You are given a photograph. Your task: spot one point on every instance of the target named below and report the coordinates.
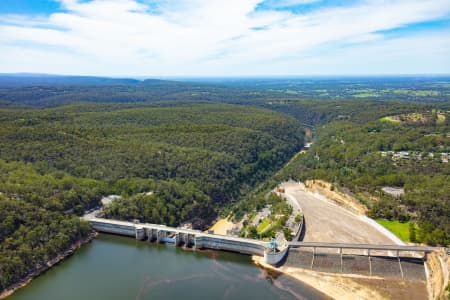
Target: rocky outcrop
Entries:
(438, 264)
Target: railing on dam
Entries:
(363, 247)
(367, 249)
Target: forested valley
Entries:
(193, 158)
(187, 151)
(364, 146)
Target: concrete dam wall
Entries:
(218, 243)
(121, 229)
(202, 240)
(180, 236)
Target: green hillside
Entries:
(196, 159)
(358, 151)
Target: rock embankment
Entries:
(344, 200)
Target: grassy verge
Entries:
(389, 120)
(263, 225)
(398, 228)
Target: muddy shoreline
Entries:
(25, 281)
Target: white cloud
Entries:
(287, 3)
(214, 37)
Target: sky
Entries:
(225, 37)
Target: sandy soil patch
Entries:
(221, 226)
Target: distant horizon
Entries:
(305, 76)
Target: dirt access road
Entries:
(326, 221)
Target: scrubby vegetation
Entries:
(279, 209)
(34, 228)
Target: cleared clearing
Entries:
(398, 228)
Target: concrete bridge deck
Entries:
(405, 248)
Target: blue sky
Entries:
(225, 37)
(28, 7)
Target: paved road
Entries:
(329, 223)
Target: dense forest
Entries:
(188, 151)
(193, 158)
(363, 146)
(49, 91)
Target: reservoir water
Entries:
(113, 267)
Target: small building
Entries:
(393, 191)
(404, 154)
(108, 199)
